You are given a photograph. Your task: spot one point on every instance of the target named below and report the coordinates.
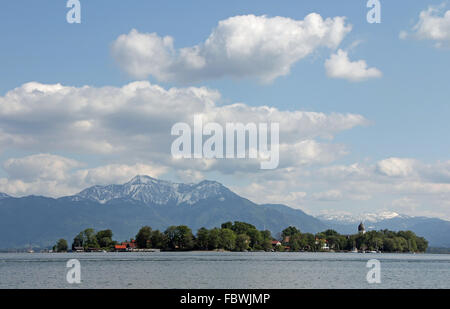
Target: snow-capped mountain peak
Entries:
(3, 195)
(154, 191)
(142, 180)
(364, 217)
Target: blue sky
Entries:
(406, 109)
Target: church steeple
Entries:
(361, 228)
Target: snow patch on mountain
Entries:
(4, 195)
(366, 217)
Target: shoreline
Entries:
(218, 251)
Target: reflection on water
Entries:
(224, 270)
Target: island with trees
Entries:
(241, 237)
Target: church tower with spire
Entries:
(361, 228)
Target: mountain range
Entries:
(39, 221)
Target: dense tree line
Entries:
(61, 246)
(241, 236)
(89, 239)
(385, 241)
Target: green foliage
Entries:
(202, 239)
(179, 237)
(238, 236)
(86, 239)
(242, 242)
(78, 241)
(329, 233)
(266, 243)
(241, 236)
(158, 240)
(143, 237)
(91, 239)
(214, 239)
(61, 246)
(104, 239)
(227, 225)
(292, 230)
(389, 241)
(242, 227)
(227, 239)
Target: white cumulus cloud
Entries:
(396, 167)
(433, 24)
(132, 124)
(328, 196)
(53, 175)
(129, 128)
(241, 46)
(339, 65)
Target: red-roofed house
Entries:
(120, 247)
(130, 244)
(276, 243)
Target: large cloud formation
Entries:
(241, 46)
(129, 125)
(124, 131)
(136, 119)
(402, 185)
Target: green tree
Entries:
(330, 233)
(90, 238)
(158, 240)
(203, 238)
(287, 232)
(61, 246)
(402, 244)
(242, 242)
(295, 242)
(78, 241)
(214, 239)
(180, 237)
(389, 245)
(256, 239)
(242, 227)
(310, 241)
(227, 225)
(104, 238)
(143, 237)
(422, 244)
(266, 240)
(227, 239)
(86, 239)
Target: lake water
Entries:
(224, 270)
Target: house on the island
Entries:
(126, 246)
(324, 243)
(276, 243)
(120, 248)
(130, 244)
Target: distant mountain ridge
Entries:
(436, 231)
(39, 221)
(366, 217)
(150, 190)
(4, 195)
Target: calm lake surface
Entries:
(224, 270)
